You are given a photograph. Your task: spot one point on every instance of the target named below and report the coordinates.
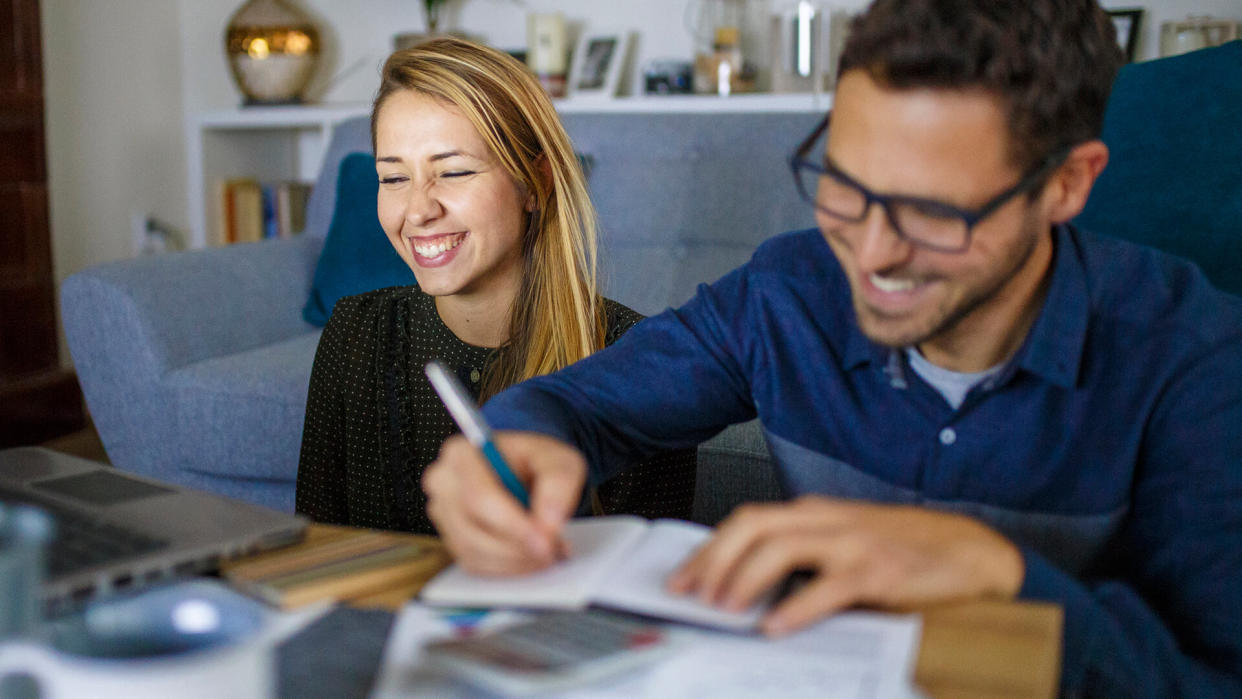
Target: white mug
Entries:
(190, 639)
(238, 671)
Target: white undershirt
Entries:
(953, 385)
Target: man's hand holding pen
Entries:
(484, 526)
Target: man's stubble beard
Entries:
(946, 318)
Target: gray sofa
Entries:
(195, 365)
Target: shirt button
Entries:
(474, 376)
(947, 436)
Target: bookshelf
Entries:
(288, 142)
(266, 143)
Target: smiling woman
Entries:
(452, 213)
(482, 197)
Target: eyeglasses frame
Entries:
(971, 218)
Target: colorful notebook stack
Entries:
(348, 565)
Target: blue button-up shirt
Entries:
(1109, 448)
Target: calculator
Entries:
(554, 650)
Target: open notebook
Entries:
(619, 561)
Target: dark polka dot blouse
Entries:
(373, 422)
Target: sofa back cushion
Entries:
(685, 198)
(682, 199)
(357, 256)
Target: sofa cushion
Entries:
(686, 198)
(357, 256)
(249, 400)
(1172, 180)
(734, 468)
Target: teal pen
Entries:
(472, 424)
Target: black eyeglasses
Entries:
(926, 222)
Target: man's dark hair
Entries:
(1052, 61)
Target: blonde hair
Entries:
(557, 316)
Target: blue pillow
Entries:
(357, 256)
(1172, 178)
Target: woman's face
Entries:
(449, 208)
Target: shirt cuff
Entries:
(1045, 582)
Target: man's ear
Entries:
(1068, 188)
(543, 170)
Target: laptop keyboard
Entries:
(83, 542)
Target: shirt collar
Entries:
(1053, 347)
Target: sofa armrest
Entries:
(160, 313)
(129, 324)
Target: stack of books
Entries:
(249, 210)
(344, 564)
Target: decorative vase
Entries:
(273, 49)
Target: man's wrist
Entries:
(1011, 570)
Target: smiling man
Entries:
(965, 395)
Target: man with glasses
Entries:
(966, 396)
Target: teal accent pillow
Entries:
(1172, 180)
(357, 256)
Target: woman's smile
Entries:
(436, 250)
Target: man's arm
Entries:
(671, 382)
(1159, 616)
(1156, 616)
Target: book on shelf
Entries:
(248, 210)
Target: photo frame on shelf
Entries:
(598, 60)
(1126, 22)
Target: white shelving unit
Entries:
(280, 143)
(276, 143)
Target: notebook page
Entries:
(638, 585)
(596, 544)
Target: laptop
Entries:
(115, 530)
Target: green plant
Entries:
(431, 9)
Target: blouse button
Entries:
(948, 436)
(474, 376)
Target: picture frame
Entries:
(1126, 22)
(598, 59)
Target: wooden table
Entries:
(976, 649)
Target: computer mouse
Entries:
(167, 620)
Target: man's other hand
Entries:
(893, 557)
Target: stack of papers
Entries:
(854, 654)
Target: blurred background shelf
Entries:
(287, 142)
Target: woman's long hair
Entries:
(557, 316)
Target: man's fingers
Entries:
(554, 495)
(483, 525)
(826, 594)
(475, 547)
(749, 528)
(770, 563)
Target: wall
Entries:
(112, 73)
